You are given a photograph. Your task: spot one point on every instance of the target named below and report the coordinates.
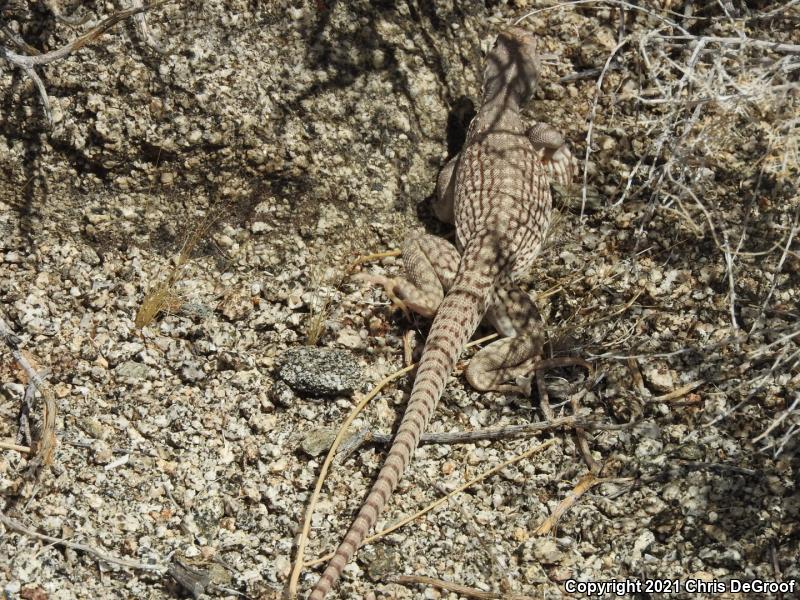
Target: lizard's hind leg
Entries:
(517, 357)
(431, 264)
(512, 358)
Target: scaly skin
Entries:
(497, 193)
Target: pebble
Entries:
(320, 371)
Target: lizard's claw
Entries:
(388, 284)
(523, 383)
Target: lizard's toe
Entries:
(390, 286)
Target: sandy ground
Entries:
(219, 188)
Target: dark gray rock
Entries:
(320, 371)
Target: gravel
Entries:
(230, 182)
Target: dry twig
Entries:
(504, 432)
(28, 62)
(586, 483)
(123, 562)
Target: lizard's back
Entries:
(502, 190)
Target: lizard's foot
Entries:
(405, 295)
(431, 264)
(506, 360)
(517, 360)
(388, 284)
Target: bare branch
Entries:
(123, 562)
(47, 443)
(27, 62)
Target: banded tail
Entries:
(456, 320)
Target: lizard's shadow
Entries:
(458, 119)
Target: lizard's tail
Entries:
(456, 320)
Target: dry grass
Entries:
(705, 109)
(162, 296)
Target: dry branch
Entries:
(45, 447)
(494, 433)
(27, 62)
(123, 562)
(586, 483)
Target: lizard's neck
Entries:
(499, 113)
(504, 87)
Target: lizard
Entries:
(497, 193)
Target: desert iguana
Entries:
(497, 192)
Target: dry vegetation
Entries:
(673, 267)
(710, 121)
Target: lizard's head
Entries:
(512, 66)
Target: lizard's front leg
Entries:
(431, 264)
(553, 151)
(444, 202)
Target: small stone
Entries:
(283, 566)
(383, 562)
(658, 376)
(546, 551)
(131, 371)
(294, 300)
(12, 587)
(238, 304)
(102, 453)
(192, 372)
(318, 441)
(281, 394)
(349, 338)
(320, 371)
